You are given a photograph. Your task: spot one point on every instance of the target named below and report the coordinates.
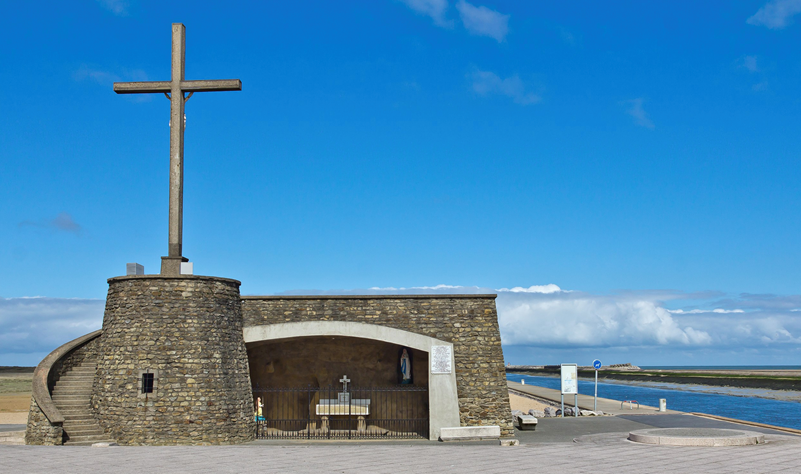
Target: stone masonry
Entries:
(187, 331)
(470, 322)
(39, 429)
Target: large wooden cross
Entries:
(175, 90)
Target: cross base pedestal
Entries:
(171, 266)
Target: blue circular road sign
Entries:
(597, 364)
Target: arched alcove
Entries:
(285, 358)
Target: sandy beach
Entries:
(15, 394)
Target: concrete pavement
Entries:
(599, 453)
(583, 444)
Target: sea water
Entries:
(686, 398)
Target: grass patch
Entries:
(15, 385)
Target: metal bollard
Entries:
(662, 404)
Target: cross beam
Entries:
(175, 89)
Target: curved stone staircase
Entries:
(72, 396)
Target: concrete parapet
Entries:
(463, 433)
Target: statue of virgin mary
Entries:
(406, 367)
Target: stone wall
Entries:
(469, 322)
(187, 331)
(39, 430)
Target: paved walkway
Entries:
(585, 402)
(603, 453)
(581, 445)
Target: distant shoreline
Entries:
(770, 379)
(14, 369)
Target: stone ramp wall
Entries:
(470, 322)
(40, 430)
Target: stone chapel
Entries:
(185, 359)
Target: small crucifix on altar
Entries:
(175, 90)
(344, 396)
(345, 381)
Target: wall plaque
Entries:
(441, 357)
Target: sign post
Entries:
(597, 364)
(570, 385)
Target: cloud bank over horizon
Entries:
(538, 324)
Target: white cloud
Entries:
(487, 82)
(435, 9)
(96, 75)
(584, 320)
(548, 317)
(776, 14)
(539, 317)
(483, 21)
(117, 7)
(750, 63)
(38, 325)
(549, 288)
(62, 222)
(635, 110)
(106, 78)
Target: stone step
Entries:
(71, 403)
(69, 388)
(88, 443)
(84, 432)
(71, 396)
(75, 382)
(84, 413)
(66, 396)
(75, 410)
(71, 427)
(78, 417)
(92, 438)
(12, 438)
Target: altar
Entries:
(343, 405)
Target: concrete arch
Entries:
(443, 399)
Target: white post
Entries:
(575, 402)
(563, 405)
(595, 403)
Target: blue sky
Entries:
(642, 158)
